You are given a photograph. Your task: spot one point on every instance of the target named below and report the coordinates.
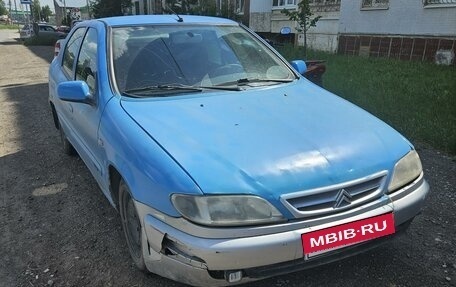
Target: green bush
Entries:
(9, 27)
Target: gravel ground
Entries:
(58, 229)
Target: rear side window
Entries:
(47, 28)
(86, 68)
(71, 50)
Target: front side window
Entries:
(71, 50)
(192, 55)
(86, 67)
(47, 28)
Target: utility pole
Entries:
(10, 12)
(88, 9)
(17, 18)
(39, 13)
(65, 15)
(218, 7)
(31, 11)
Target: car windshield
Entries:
(184, 58)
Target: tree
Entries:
(45, 13)
(206, 7)
(36, 10)
(3, 10)
(186, 6)
(227, 10)
(66, 21)
(108, 8)
(303, 16)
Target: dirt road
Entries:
(57, 228)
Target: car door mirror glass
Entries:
(74, 91)
(299, 65)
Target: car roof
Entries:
(30, 26)
(163, 19)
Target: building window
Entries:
(324, 2)
(283, 3)
(157, 6)
(374, 4)
(439, 2)
(137, 12)
(146, 9)
(239, 7)
(324, 5)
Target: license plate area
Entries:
(329, 239)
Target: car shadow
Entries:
(51, 209)
(52, 213)
(10, 42)
(44, 52)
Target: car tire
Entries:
(67, 147)
(131, 225)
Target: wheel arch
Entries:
(114, 180)
(54, 116)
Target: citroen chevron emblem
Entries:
(342, 196)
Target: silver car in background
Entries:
(44, 30)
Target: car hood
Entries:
(268, 141)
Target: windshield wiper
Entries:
(147, 91)
(162, 88)
(219, 87)
(247, 81)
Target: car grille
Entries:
(335, 198)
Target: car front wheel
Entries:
(66, 145)
(131, 225)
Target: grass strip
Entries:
(416, 98)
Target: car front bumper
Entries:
(201, 256)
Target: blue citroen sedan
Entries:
(226, 164)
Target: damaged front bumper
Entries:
(203, 256)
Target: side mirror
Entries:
(74, 91)
(299, 66)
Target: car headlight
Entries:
(406, 169)
(226, 210)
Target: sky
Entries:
(50, 3)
